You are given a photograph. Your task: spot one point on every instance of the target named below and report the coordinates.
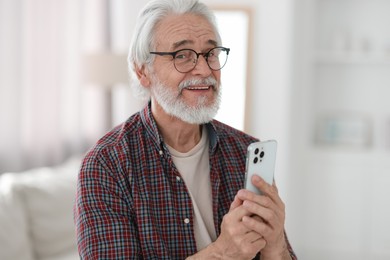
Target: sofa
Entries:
(36, 213)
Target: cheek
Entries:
(217, 76)
(170, 79)
(163, 66)
(166, 74)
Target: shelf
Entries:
(343, 155)
(352, 58)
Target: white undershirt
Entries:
(195, 171)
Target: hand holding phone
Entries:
(260, 160)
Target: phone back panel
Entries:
(260, 161)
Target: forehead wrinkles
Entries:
(181, 28)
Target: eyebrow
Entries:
(184, 42)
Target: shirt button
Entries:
(186, 220)
(178, 178)
(161, 152)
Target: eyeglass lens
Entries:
(186, 60)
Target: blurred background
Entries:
(312, 74)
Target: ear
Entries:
(142, 75)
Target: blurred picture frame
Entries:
(343, 129)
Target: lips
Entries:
(198, 87)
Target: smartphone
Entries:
(260, 160)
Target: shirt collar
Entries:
(151, 126)
(152, 130)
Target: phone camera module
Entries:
(255, 160)
(257, 151)
(262, 154)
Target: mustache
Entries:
(209, 81)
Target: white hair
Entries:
(143, 40)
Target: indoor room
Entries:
(314, 75)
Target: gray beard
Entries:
(174, 105)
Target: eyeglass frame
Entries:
(204, 54)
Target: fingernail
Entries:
(256, 178)
(241, 193)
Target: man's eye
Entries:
(214, 53)
(181, 56)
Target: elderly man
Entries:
(168, 182)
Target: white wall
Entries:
(341, 190)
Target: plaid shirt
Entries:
(131, 200)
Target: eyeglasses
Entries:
(185, 60)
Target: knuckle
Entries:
(261, 228)
(266, 202)
(270, 215)
(229, 225)
(251, 195)
(227, 220)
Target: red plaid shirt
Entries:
(131, 200)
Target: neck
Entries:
(178, 134)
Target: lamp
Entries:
(105, 69)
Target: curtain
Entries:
(46, 112)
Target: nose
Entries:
(201, 67)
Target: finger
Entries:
(261, 183)
(266, 232)
(262, 228)
(271, 210)
(253, 242)
(262, 200)
(259, 244)
(236, 203)
(236, 213)
(232, 223)
(271, 215)
(252, 236)
(269, 190)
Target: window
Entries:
(234, 25)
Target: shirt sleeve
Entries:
(104, 225)
(289, 247)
